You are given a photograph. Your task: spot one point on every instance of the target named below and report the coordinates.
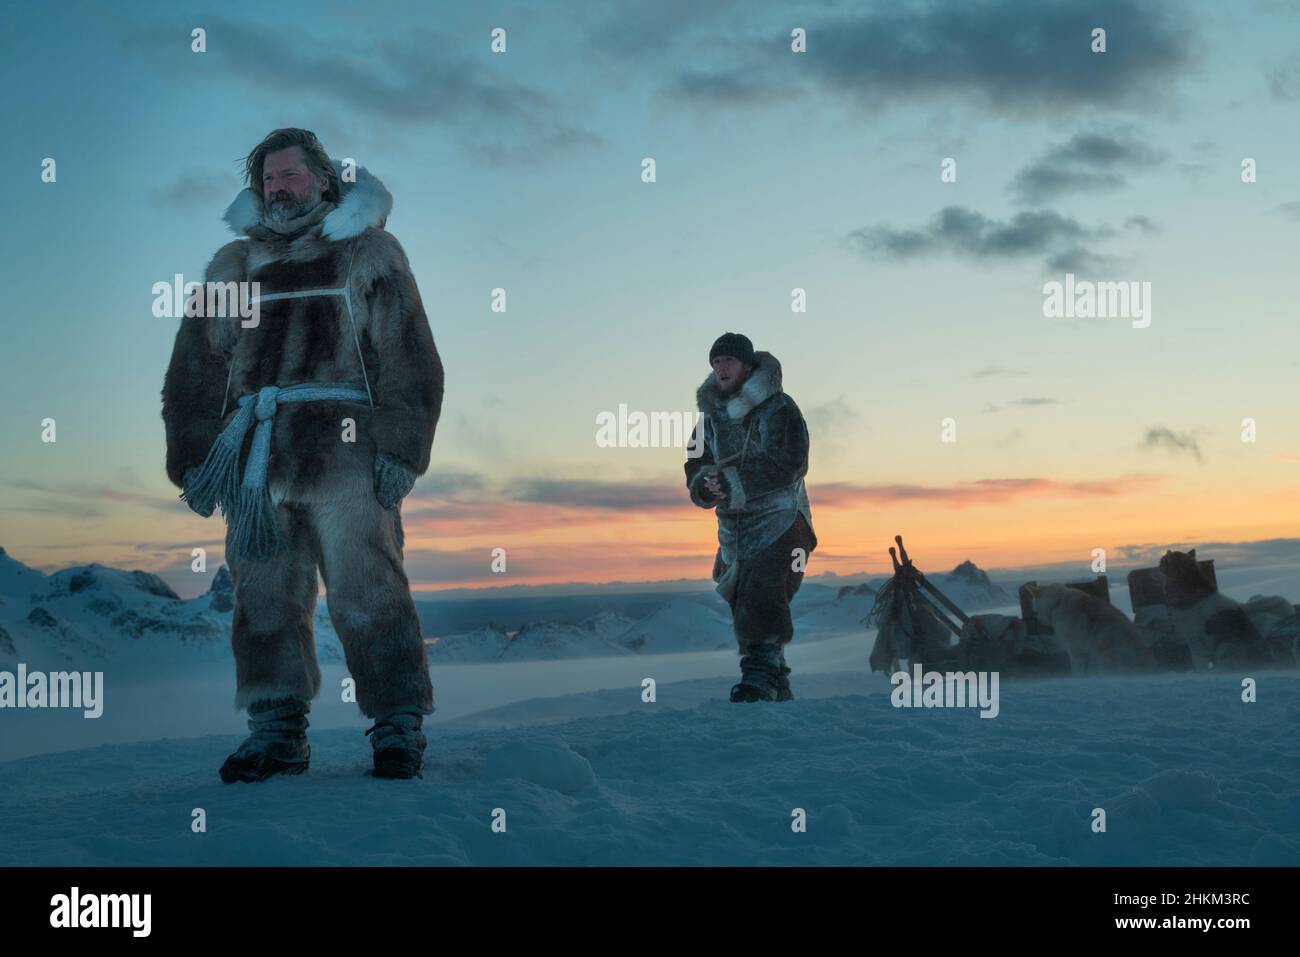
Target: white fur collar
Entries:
(763, 383)
(364, 203)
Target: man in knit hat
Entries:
(753, 454)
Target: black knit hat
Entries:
(735, 345)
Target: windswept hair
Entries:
(318, 161)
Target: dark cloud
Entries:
(1032, 402)
(1290, 209)
(605, 496)
(1284, 80)
(455, 495)
(197, 190)
(551, 142)
(1142, 224)
(1007, 56)
(69, 510)
(452, 486)
(990, 371)
(1079, 259)
(630, 31)
(1087, 162)
(1121, 558)
(728, 89)
(410, 80)
(965, 232)
(1265, 552)
(449, 565)
(86, 499)
(1159, 437)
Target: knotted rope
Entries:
(246, 503)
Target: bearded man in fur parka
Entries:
(751, 448)
(307, 426)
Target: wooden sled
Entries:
(915, 618)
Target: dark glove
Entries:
(393, 480)
(722, 497)
(188, 484)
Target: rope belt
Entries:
(246, 504)
(250, 516)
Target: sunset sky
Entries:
(775, 171)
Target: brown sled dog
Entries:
(1098, 637)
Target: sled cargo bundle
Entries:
(915, 619)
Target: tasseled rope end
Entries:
(254, 532)
(216, 481)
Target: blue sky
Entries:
(775, 170)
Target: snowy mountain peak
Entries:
(971, 588)
(16, 578)
(862, 589)
(222, 591)
(679, 624)
(607, 624)
(97, 577)
(971, 573)
(97, 612)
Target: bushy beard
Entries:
(284, 206)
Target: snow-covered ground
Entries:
(588, 773)
(1187, 774)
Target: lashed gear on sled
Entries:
(1004, 644)
(907, 629)
(913, 618)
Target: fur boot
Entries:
(278, 744)
(399, 745)
(760, 672)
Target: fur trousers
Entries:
(357, 546)
(765, 584)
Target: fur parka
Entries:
(217, 360)
(757, 440)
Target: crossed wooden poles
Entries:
(917, 587)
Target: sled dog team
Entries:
(1218, 631)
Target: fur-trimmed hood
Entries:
(763, 383)
(363, 204)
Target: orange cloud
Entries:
(977, 492)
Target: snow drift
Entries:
(1188, 775)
